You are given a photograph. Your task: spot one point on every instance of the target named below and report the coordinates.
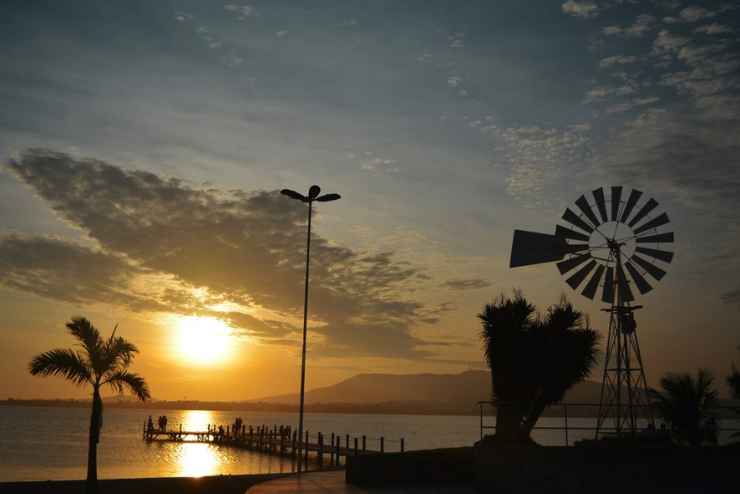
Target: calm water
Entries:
(46, 443)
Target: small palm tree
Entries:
(685, 403)
(533, 360)
(98, 363)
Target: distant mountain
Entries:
(461, 390)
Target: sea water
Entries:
(50, 443)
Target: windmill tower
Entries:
(611, 246)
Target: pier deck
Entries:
(276, 440)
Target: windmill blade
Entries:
(631, 203)
(649, 267)
(561, 231)
(534, 248)
(654, 223)
(593, 284)
(574, 220)
(616, 201)
(640, 280)
(666, 238)
(625, 294)
(585, 208)
(580, 275)
(573, 262)
(649, 206)
(663, 255)
(601, 203)
(608, 294)
(573, 248)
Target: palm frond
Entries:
(89, 337)
(64, 362)
(122, 380)
(117, 353)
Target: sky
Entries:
(143, 145)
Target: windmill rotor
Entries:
(609, 244)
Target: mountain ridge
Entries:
(465, 388)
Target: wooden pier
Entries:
(275, 440)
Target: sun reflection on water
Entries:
(197, 459)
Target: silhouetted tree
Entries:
(533, 360)
(98, 363)
(733, 381)
(685, 402)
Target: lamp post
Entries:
(313, 195)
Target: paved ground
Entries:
(333, 483)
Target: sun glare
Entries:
(203, 340)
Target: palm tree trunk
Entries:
(538, 407)
(508, 421)
(92, 451)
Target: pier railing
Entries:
(567, 412)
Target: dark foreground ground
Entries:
(223, 484)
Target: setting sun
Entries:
(203, 340)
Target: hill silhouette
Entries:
(462, 390)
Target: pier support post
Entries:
(364, 444)
(402, 445)
(336, 450)
(321, 450)
(355, 446)
(382, 444)
(305, 452)
(331, 450)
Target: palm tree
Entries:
(98, 363)
(685, 403)
(533, 360)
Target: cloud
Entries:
(602, 92)
(242, 248)
(583, 9)
(667, 42)
(535, 156)
(694, 14)
(643, 24)
(732, 297)
(241, 11)
(467, 284)
(456, 40)
(713, 28)
(62, 270)
(617, 60)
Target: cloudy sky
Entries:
(143, 145)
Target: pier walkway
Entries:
(275, 440)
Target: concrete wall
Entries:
(430, 466)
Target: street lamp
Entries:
(313, 195)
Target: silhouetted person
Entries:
(149, 424)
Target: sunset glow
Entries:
(203, 340)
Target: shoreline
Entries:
(226, 484)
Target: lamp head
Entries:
(328, 198)
(314, 192)
(294, 195)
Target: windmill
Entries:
(608, 247)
